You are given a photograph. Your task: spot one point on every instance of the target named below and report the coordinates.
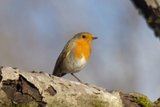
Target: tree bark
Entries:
(150, 9)
(20, 88)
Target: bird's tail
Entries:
(57, 72)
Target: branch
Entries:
(33, 89)
(150, 9)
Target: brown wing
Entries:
(57, 69)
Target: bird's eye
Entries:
(84, 36)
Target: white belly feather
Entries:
(76, 66)
(81, 62)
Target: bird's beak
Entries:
(94, 38)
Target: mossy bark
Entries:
(32, 89)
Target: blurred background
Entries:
(125, 57)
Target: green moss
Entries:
(85, 100)
(92, 101)
(30, 104)
(150, 19)
(142, 100)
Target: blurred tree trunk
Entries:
(150, 9)
(33, 89)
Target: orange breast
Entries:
(82, 48)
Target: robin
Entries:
(75, 55)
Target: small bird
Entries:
(74, 55)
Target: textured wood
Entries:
(38, 89)
(150, 9)
(33, 89)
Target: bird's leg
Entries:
(76, 78)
